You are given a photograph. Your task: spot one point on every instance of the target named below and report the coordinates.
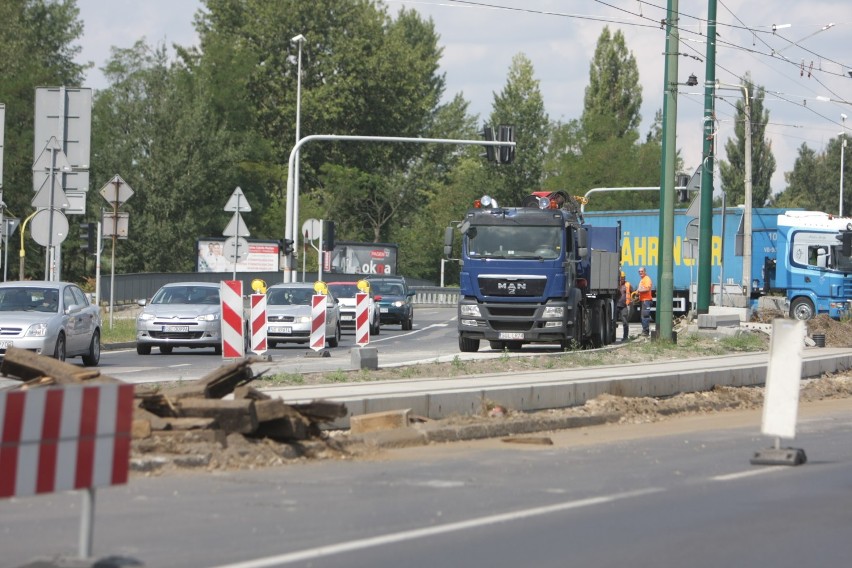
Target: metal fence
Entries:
(132, 287)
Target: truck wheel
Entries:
(802, 309)
(611, 324)
(514, 345)
(143, 349)
(498, 345)
(468, 345)
(598, 325)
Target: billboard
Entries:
(361, 258)
(262, 256)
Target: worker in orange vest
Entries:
(623, 306)
(646, 296)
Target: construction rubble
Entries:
(219, 421)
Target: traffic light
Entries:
(287, 247)
(845, 238)
(682, 194)
(507, 153)
(89, 237)
(490, 151)
(328, 237)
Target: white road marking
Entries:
(746, 473)
(413, 332)
(322, 551)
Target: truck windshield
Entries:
(492, 241)
(844, 263)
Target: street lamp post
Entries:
(293, 208)
(842, 152)
(747, 231)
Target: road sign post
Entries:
(236, 247)
(116, 192)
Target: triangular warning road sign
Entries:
(237, 227)
(50, 195)
(238, 202)
(45, 161)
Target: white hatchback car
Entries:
(49, 318)
(345, 293)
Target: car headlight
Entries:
(208, 317)
(398, 304)
(37, 330)
(146, 316)
(553, 312)
(303, 319)
(471, 310)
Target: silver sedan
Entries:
(182, 314)
(49, 318)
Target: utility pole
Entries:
(665, 272)
(705, 219)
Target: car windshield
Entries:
(289, 297)
(388, 288)
(344, 290)
(186, 295)
(29, 299)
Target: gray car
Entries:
(49, 318)
(288, 315)
(182, 314)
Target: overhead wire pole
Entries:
(291, 221)
(705, 215)
(747, 185)
(665, 272)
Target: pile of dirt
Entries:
(838, 333)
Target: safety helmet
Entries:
(622, 275)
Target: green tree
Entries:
(614, 95)
(814, 182)
(172, 150)
(762, 160)
(363, 73)
(37, 40)
(602, 148)
(520, 104)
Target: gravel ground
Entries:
(155, 456)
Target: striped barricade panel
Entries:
(318, 309)
(362, 319)
(64, 438)
(233, 341)
(258, 323)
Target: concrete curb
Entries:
(435, 433)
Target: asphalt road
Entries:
(434, 338)
(663, 495)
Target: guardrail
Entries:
(435, 296)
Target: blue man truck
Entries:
(800, 256)
(535, 274)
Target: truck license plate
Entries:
(5, 344)
(511, 335)
(176, 328)
(279, 329)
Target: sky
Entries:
(803, 64)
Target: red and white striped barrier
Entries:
(233, 341)
(318, 307)
(64, 438)
(362, 319)
(258, 323)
